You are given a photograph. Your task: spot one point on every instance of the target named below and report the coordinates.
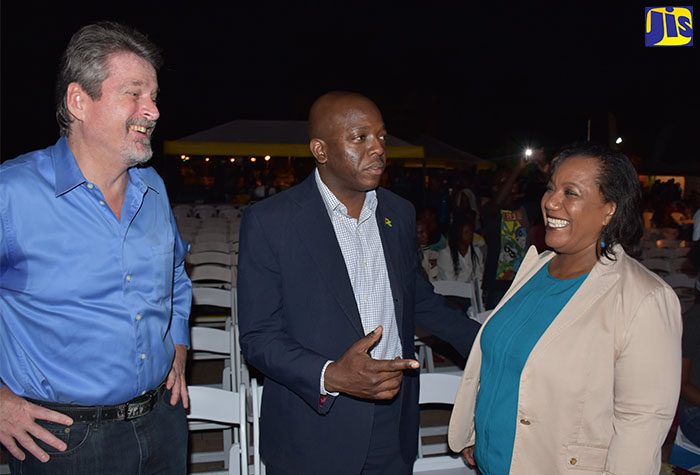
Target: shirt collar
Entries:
(332, 203)
(66, 170)
(68, 174)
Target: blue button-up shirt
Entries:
(90, 306)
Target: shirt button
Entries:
(102, 203)
(138, 317)
(90, 186)
(128, 277)
(573, 461)
(143, 356)
(525, 422)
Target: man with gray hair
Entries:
(94, 297)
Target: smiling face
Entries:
(120, 122)
(573, 208)
(350, 148)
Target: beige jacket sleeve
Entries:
(647, 384)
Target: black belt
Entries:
(137, 407)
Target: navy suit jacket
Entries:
(297, 310)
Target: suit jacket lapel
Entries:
(316, 231)
(601, 278)
(389, 233)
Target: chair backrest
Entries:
(208, 274)
(212, 340)
(215, 297)
(437, 388)
(467, 290)
(227, 407)
(225, 247)
(453, 288)
(211, 257)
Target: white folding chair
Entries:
(448, 288)
(215, 409)
(436, 458)
(256, 401)
(211, 257)
(213, 275)
(224, 301)
(466, 290)
(225, 247)
(216, 344)
(482, 316)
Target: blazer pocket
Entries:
(585, 457)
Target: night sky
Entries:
(487, 79)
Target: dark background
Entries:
(489, 79)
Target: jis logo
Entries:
(668, 26)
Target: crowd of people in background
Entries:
(494, 213)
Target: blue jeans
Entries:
(154, 443)
(690, 424)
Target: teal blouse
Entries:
(506, 342)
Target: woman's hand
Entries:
(468, 455)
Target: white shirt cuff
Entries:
(323, 381)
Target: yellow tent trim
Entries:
(181, 147)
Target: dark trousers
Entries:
(155, 443)
(384, 455)
(690, 424)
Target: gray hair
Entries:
(85, 61)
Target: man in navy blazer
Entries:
(330, 290)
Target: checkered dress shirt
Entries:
(363, 253)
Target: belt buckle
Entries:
(136, 409)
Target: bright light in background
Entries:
(528, 152)
(267, 158)
(182, 157)
(232, 159)
(252, 159)
(206, 159)
(618, 140)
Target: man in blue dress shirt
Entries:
(94, 297)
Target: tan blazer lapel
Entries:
(601, 278)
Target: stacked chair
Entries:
(212, 231)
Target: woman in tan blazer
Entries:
(597, 389)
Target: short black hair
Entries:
(618, 183)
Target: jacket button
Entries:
(573, 461)
(525, 422)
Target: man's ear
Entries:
(318, 149)
(76, 100)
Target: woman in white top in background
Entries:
(461, 260)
